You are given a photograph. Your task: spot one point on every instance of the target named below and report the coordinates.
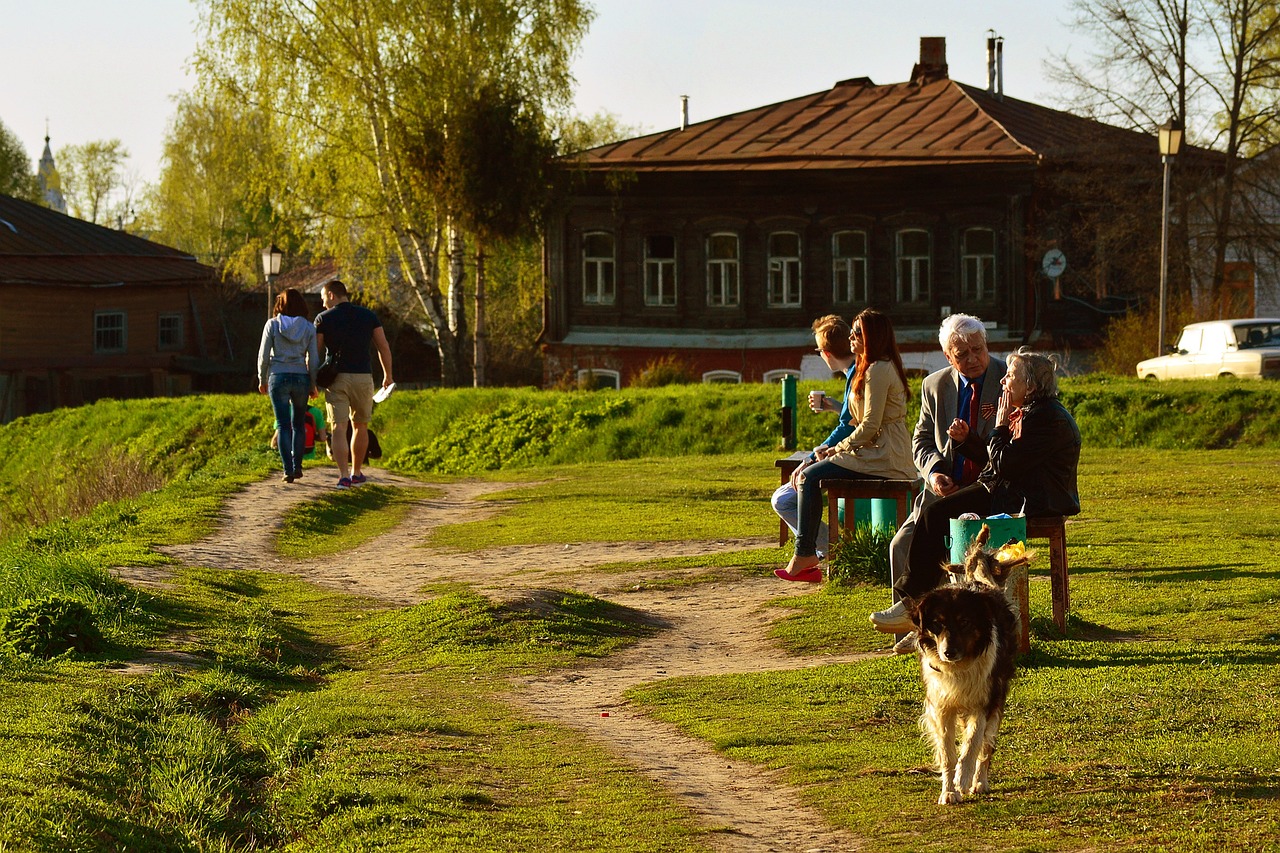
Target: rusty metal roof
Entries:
(857, 124)
(42, 246)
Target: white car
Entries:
(1249, 349)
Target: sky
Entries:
(110, 69)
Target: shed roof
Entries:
(43, 246)
(858, 124)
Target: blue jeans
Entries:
(810, 502)
(786, 504)
(288, 392)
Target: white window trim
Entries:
(597, 373)
(850, 263)
(593, 292)
(777, 375)
(914, 290)
(784, 264)
(982, 289)
(124, 332)
(662, 273)
(732, 377)
(725, 265)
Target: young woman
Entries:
(879, 447)
(287, 362)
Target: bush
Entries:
(668, 370)
(861, 556)
(49, 626)
(1131, 338)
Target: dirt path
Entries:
(709, 629)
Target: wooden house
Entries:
(88, 312)
(720, 241)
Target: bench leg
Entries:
(1022, 597)
(1058, 576)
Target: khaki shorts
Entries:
(350, 398)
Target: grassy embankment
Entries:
(302, 718)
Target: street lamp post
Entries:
(271, 257)
(1170, 134)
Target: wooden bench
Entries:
(852, 490)
(1054, 528)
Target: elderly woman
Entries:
(1033, 454)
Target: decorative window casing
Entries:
(598, 268)
(915, 265)
(784, 269)
(723, 287)
(978, 264)
(849, 267)
(110, 332)
(596, 379)
(169, 332)
(722, 377)
(660, 270)
(777, 375)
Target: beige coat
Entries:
(880, 444)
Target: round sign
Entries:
(1054, 263)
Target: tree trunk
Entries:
(481, 337)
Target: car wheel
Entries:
(1226, 376)
(1150, 377)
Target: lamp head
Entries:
(1170, 134)
(271, 257)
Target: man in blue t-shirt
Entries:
(346, 331)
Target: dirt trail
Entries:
(708, 629)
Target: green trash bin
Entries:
(964, 531)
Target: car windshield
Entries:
(1253, 335)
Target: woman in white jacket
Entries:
(287, 362)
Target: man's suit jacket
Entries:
(932, 449)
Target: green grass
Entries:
(344, 520)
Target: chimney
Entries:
(933, 60)
(684, 112)
(995, 65)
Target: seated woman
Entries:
(831, 334)
(1034, 451)
(879, 447)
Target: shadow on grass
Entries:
(1152, 653)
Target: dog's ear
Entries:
(956, 571)
(912, 606)
(983, 536)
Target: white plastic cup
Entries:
(817, 400)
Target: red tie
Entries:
(971, 469)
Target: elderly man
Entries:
(957, 414)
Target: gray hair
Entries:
(1038, 370)
(960, 327)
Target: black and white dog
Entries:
(967, 640)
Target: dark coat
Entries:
(1038, 466)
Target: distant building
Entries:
(88, 312)
(50, 182)
(720, 241)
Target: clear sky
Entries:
(104, 69)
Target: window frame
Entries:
(719, 268)
(853, 278)
(100, 331)
(178, 340)
(777, 374)
(788, 283)
(920, 287)
(597, 268)
(722, 377)
(985, 287)
(596, 373)
(660, 285)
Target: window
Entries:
(849, 266)
(722, 271)
(597, 268)
(169, 334)
(777, 375)
(660, 270)
(914, 275)
(722, 377)
(594, 379)
(784, 269)
(978, 264)
(109, 331)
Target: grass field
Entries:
(285, 717)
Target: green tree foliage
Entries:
(94, 182)
(215, 197)
(351, 84)
(16, 177)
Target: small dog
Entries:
(967, 639)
